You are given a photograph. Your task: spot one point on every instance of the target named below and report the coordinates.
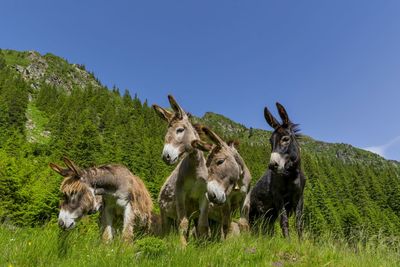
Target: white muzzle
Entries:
(170, 154)
(278, 160)
(215, 193)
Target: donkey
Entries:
(280, 191)
(228, 181)
(122, 194)
(183, 193)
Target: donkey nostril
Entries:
(273, 165)
(61, 223)
(211, 196)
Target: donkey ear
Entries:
(283, 114)
(60, 170)
(213, 136)
(163, 113)
(175, 106)
(72, 166)
(233, 143)
(271, 119)
(203, 146)
(56, 168)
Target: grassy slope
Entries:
(82, 247)
(40, 121)
(16, 58)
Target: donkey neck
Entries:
(196, 158)
(193, 165)
(290, 174)
(101, 178)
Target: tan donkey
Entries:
(123, 196)
(228, 181)
(183, 195)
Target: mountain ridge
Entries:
(47, 68)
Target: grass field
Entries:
(47, 246)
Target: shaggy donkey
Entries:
(183, 193)
(228, 181)
(280, 191)
(123, 195)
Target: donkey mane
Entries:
(96, 172)
(212, 154)
(199, 129)
(176, 118)
(72, 185)
(295, 128)
(233, 142)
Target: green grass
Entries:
(82, 247)
(16, 58)
(40, 121)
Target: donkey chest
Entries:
(283, 184)
(194, 188)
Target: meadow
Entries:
(48, 246)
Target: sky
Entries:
(334, 64)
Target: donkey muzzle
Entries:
(170, 154)
(66, 225)
(215, 194)
(277, 161)
(66, 220)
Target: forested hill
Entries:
(50, 108)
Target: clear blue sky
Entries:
(334, 64)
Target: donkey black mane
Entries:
(295, 127)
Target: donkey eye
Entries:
(285, 139)
(220, 161)
(180, 130)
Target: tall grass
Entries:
(48, 246)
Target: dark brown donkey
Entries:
(228, 181)
(280, 191)
(123, 195)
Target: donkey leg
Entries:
(203, 218)
(106, 223)
(244, 215)
(183, 230)
(225, 221)
(129, 219)
(299, 218)
(165, 227)
(182, 218)
(284, 223)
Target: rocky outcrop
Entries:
(55, 71)
(36, 69)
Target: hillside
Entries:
(50, 108)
